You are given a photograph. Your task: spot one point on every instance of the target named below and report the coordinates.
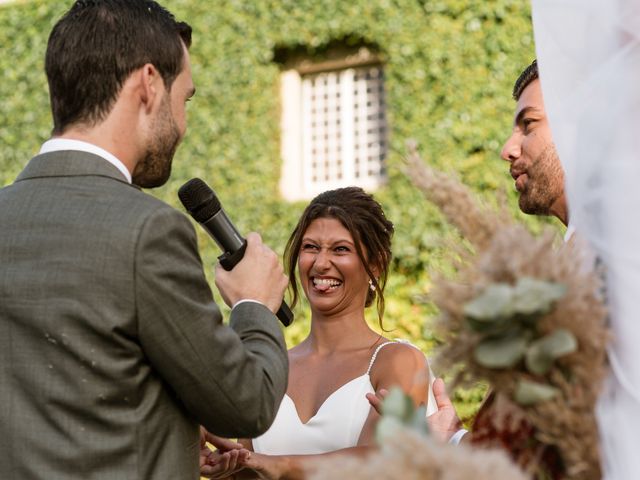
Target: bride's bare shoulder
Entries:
(399, 357)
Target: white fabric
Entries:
(60, 144)
(245, 300)
(456, 437)
(589, 59)
(336, 425)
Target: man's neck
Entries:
(560, 211)
(101, 136)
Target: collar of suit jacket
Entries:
(70, 163)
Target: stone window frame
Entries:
(367, 167)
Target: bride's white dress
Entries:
(336, 425)
(589, 59)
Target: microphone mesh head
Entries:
(199, 199)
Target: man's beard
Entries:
(155, 168)
(545, 184)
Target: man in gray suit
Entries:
(112, 350)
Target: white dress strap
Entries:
(375, 354)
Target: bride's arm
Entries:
(398, 365)
(444, 423)
(256, 466)
(292, 467)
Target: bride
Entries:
(342, 249)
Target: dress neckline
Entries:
(366, 374)
(341, 387)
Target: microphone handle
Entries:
(284, 314)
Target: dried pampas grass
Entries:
(411, 456)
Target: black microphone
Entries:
(203, 205)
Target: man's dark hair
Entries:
(94, 48)
(364, 218)
(526, 77)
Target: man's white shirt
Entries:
(61, 144)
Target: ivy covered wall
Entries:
(449, 69)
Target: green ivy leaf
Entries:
(529, 393)
(542, 353)
(502, 352)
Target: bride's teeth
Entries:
(326, 281)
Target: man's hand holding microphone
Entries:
(258, 276)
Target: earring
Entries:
(372, 286)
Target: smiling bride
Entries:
(341, 249)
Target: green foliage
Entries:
(449, 70)
(529, 393)
(544, 351)
(501, 306)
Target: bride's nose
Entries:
(322, 261)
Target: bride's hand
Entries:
(218, 465)
(376, 399)
(444, 423)
(223, 462)
(267, 467)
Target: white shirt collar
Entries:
(59, 144)
(569, 233)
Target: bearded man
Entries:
(535, 165)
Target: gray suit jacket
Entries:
(112, 350)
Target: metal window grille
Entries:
(344, 128)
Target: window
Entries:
(334, 130)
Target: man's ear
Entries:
(151, 87)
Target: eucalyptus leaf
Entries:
(387, 427)
(494, 327)
(419, 421)
(529, 393)
(398, 413)
(398, 405)
(536, 297)
(501, 352)
(493, 305)
(542, 353)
